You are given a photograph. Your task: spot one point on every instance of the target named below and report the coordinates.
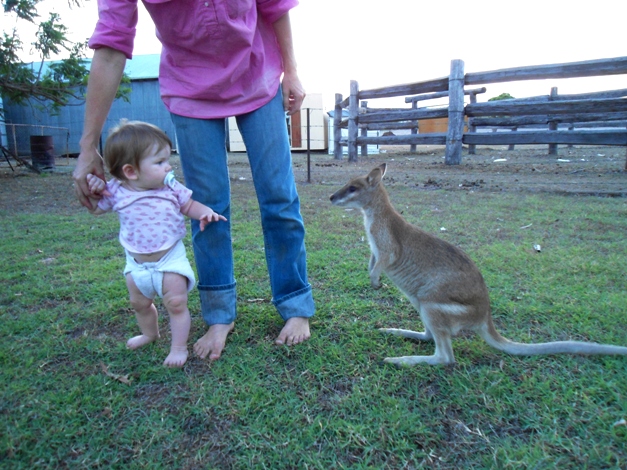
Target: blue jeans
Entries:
(202, 147)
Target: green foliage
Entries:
(502, 96)
(20, 81)
(49, 84)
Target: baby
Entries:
(151, 206)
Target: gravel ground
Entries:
(595, 171)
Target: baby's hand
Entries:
(95, 184)
(209, 217)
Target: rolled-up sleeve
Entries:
(272, 10)
(117, 21)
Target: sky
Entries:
(405, 41)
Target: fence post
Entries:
(553, 124)
(571, 127)
(455, 132)
(337, 130)
(353, 112)
(414, 130)
(308, 147)
(364, 132)
(512, 146)
(472, 148)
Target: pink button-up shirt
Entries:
(220, 58)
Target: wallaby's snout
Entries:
(340, 196)
(354, 193)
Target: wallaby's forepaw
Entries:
(422, 336)
(413, 360)
(397, 361)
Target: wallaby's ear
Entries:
(374, 177)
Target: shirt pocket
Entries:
(183, 23)
(238, 8)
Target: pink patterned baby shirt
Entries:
(151, 220)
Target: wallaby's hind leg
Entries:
(423, 336)
(443, 352)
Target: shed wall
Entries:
(145, 105)
(297, 127)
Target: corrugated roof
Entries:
(140, 67)
(143, 67)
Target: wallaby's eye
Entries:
(352, 189)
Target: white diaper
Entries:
(148, 277)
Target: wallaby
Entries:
(439, 279)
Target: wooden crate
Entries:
(437, 125)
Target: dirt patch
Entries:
(578, 171)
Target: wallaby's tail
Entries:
(493, 338)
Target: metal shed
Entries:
(66, 127)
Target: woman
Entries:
(220, 58)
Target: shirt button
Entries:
(206, 4)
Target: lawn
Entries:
(74, 397)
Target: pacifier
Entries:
(169, 179)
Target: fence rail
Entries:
(589, 110)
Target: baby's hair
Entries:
(129, 143)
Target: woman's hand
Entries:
(89, 163)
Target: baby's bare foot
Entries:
(177, 357)
(139, 341)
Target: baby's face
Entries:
(153, 168)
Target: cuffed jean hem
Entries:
(296, 304)
(218, 304)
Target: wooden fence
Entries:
(569, 122)
(578, 111)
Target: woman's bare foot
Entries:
(296, 330)
(177, 357)
(139, 341)
(212, 343)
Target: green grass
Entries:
(331, 402)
